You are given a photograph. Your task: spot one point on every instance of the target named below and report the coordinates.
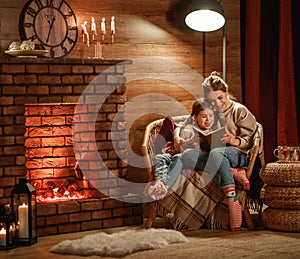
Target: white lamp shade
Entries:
(205, 16)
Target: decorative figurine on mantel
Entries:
(112, 29)
(85, 32)
(103, 29)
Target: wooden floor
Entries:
(41, 248)
(259, 240)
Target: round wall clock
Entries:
(51, 24)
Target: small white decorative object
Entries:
(84, 32)
(27, 45)
(14, 46)
(26, 49)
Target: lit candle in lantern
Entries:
(11, 232)
(23, 221)
(103, 29)
(112, 29)
(2, 237)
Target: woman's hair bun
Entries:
(215, 73)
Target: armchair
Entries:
(190, 206)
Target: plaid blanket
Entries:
(190, 207)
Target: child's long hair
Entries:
(199, 105)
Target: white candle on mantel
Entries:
(113, 29)
(103, 29)
(2, 237)
(112, 25)
(23, 221)
(93, 29)
(93, 26)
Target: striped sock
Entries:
(235, 209)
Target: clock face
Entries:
(51, 24)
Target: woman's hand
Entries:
(231, 139)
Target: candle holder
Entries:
(98, 50)
(23, 203)
(8, 237)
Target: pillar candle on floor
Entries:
(2, 237)
(23, 221)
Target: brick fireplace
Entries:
(37, 104)
(50, 160)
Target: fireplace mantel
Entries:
(42, 60)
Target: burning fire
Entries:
(69, 190)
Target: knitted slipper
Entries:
(240, 175)
(235, 210)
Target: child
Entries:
(167, 166)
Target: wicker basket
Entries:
(281, 174)
(281, 219)
(281, 197)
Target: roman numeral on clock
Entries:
(28, 24)
(71, 41)
(31, 11)
(38, 3)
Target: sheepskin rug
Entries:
(119, 244)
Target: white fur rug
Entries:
(120, 243)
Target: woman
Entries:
(240, 125)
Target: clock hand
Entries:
(51, 26)
(47, 18)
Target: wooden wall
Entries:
(149, 29)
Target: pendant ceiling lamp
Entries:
(208, 16)
(205, 15)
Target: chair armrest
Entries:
(147, 147)
(254, 154)
(257, 146)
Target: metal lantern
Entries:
(25, 207)
(8, 237)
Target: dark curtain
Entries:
(270, 33)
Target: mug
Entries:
(287, 153)
(282, 153)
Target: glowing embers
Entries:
(70, 189)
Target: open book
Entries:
(212, 138)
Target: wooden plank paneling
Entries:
(148, 28)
